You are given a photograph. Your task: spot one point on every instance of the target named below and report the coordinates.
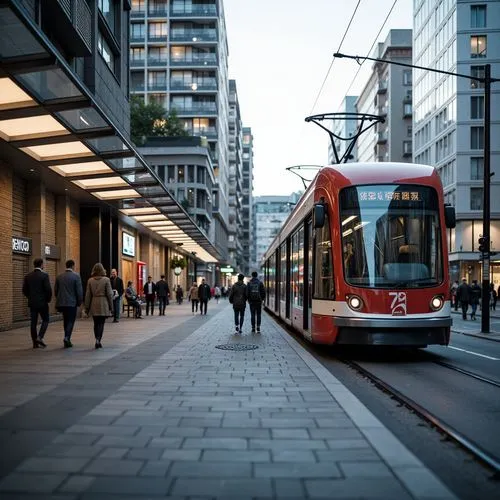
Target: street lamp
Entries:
(485, 245)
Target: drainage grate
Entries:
(237, 347)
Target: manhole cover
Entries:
(237, 347)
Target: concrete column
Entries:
(6, 270)
(36, 217)
(63, 230)
(146, 251)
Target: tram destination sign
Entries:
(386, 195)
(21, 245)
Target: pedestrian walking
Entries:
(99, 301)
(493, 297)
(238, 297)
(203, 296)
(453, 291)
(475, 297)
(150, 294)
(217, 293)
(256, 294)
(133, 300)
(179, 294)
(193, 297)
(117, 287)
(69, 296)
(162, 292)
(37, 289)
(464, 296)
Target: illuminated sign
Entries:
(389, 195)
(21, 245)
(128, 244)
(226, 270)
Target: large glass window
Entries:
(323, 271)
(106, 53)
(476, 168)
(478, 16)
(108, 10)
(476, 198)
(478, 72)
(477, 137)
(478, 46)
(477, 107)
(294, 263)
(283, 272)
(391, 236)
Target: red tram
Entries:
(363, 259)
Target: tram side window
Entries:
(283, 273)
(271, 273)
(300, 296)
(294, 290)
(323, 268)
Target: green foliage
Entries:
(152, 120)
(177, 262)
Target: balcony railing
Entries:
(196, 110)
(137, 38)
(137, 14)
(194, 86)
(209, 10)
(210, 132)
(161, 37)
(137, 87)
(157, 61)
(158, 11)
(161, 86)
(136, 63)
(208, 35)
(195, 60)
(382, 87)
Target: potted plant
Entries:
(177, 262)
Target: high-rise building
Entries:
(178, 57)
(459, 36)
(388, 93)
(344, 128)
(249, 259)
(270, 212)
(235, 226)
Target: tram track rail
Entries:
(472, 448)
(467, 373)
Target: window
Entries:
(137, 31)
(478, 72)
(477, 107)
(108, 10)
(476, 168)
(478, 16)
(407, 149)
(157, 30)
(106, 53)
(409, 131)
(323, 283)
(407, 77)
(407, 109)
(138, 5)
(476, 198)
(478, 46)
(137, 54)
(180, 174)
(477, 137)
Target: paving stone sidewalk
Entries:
(200, 422)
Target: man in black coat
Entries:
(204, 296)
(37, 289)
(162, 291)
(464, 294)
(150, 294)
(117, 287)
(256, 293)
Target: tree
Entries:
(152, 120)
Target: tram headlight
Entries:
(437, 302)
(354, 302)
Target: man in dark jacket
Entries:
(162, 291)
(204, 296)
(475, 297)
(464, 296)
(150, 293)
(238, 297)
(37, 289)
(256, 294)
(69, 295)
(117, 287)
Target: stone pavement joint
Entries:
(195, 422)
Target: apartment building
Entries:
(248, 258)
(459, 36)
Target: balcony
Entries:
(160, 11)
(407, 148)
(137, 63)
(137, 38)
(195, 60)
(201, 109)
(157, 37)
(206, 84)
(207, 35)
(157, 87)
(137, 14)
(137, 87)
(382, 87)
(209, 132)
(157, 61)
(207, 10)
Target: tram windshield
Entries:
(391, 236)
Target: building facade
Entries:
(178, 58)
(459, 36)
(72, 185)
(270, 212)
(388, 93)
(248, 258)
(344, 128)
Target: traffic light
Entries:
(482, 244)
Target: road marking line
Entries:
(474, 353)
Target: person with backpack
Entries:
(238, 297)
(256, 294)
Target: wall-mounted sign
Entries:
(21, 245)
(128, 244)
(226, 270)
(52, 252)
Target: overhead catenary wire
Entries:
(331, 64)
(369, 51)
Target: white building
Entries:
(459, 36)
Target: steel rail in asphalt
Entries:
(444, 428)
(467, 372)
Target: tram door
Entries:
(308, 271)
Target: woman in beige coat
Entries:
(193, 297)
(99, 300)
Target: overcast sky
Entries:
(279, 55)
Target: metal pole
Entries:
(485, 312)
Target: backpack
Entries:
(254, 292)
